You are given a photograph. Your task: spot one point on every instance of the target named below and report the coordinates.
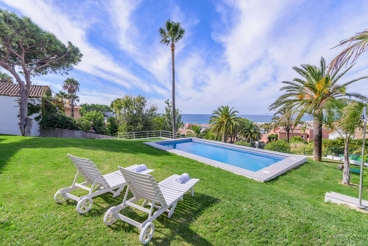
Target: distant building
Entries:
(9, 109)
(68, 110)
(307, 135)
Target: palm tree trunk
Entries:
(317, 138)
(287, 134)
(72, 108)
(346, 171)
(173, 89)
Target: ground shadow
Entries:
(185, 213)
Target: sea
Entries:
(205, 118)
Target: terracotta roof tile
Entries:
(12, 90)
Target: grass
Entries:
(227, 209)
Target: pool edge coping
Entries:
(263, 175)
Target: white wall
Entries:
(9, 110)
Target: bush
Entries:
(279, 146)
(58, 121)
(243, 143)
(301, 148)
(272, 137)
(94, 122)
(297, 139)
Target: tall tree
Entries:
(224, 121)
(250, 131)
(356, 45)
(310, 94)
(71, 86)
(27, 51)
(171, 34)
(136, 114)
(344, 117)
(5, 78)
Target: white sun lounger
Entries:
(162, 196)
(95, 183)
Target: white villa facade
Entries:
(9, 107)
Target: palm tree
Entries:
(223, 121)
(197, 130)
(251, 131)
(71, 86)
(357, 44)
(6, 78)
(310, 95)
(61, 95)
(171, 34)
(285, 118)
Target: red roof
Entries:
(12, 90)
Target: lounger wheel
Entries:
(109, 217)
(60, 196)
(84, 205)
(146, 233)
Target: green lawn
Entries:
(227, 209)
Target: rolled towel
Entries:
(141, 168)
(182, 178)
(137, 168)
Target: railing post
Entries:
(133, 135)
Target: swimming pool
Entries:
(242, 158)
(261, 165)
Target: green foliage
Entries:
(279, 146)
(250, 131)
(112, 125)
(224, 121)
(272, 137)
(207, 134)
(297, 139)
(104, 109)
(135, 114)
(58, 121)
(94, 122)
(5, 78)
(243, 143)
(197, 131)
(44, 53)
(299, 148)
(168, 115)
(159, 122)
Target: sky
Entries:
(234, 53)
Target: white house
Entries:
(9, 107)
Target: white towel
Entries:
(138, 168)
(182, 178)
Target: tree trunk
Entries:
(173, 89)
(72, 108)
(346, 171)
(25, 123)
(317, 138)
(287, 134)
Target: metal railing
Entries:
(145, 134)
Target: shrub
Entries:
(296, 139)
(112, 125)
(58, 121)
(279, 146)
(272, 137)
(243, 143)
(94, 122)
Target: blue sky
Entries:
(234, 53)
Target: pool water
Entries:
(242, 158)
